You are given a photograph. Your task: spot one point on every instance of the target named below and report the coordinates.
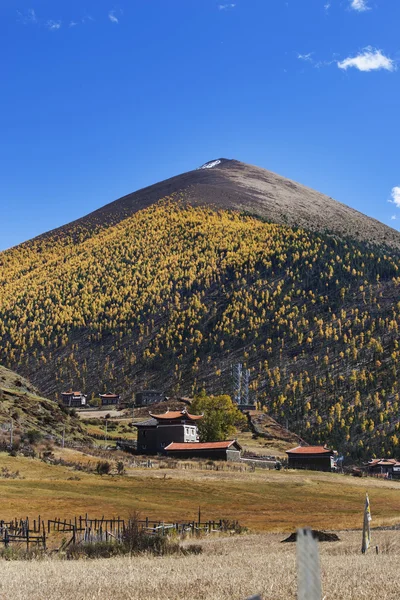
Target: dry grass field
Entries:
(229, 569)
(268, 501)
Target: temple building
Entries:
(160, 430)
(175, 433)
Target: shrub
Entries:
(103, 467)
(34, 436)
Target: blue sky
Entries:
(99, 99)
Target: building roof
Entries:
(176, 414)
(382, 462)
(147, 423)
(307, 450)
(174, 446)
(109, 395)
(71, 392)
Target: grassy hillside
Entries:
(22, 403)
(173, 295)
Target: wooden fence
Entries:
(22, 531)
(83, 529)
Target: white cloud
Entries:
(73, 24)
(370, 59)
(307, 57)
(226, 6)
(327, 6)
(395, 196)
(359, 5)
(53, 25)
(393, 218)
(112, 16)
(28, 17)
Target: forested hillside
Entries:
(173, 295)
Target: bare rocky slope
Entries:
(233, 185)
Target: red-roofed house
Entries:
(173, 426)
(175, 433)
(216, 450)
(313, 458)
(384, 466)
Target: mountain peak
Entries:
(233, 185)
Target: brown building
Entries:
(159, 431)
(216, 450)
(73, 399)
(388, 467)
(313, 458)
(174, 433)
(148, 397)
(109, 399)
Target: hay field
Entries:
(268, 501)
(229, 569)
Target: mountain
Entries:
(22, 403)
(233, 185)
(171, 286)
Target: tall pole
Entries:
(105, 438)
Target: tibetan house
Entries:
(148, 397)
(386, 467)
(175, 433)
(73, 399)
(312, 458)
(216, 450)
(109, 399)
(160, 430)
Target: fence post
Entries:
(308, 566)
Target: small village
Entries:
(174, 434)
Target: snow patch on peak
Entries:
(211, 164)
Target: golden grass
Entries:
(229, 569)
(262, 501)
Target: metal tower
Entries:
(237, 371)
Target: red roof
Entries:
(109, 396)
(310, 450)
(177, 414)
(201, 446)
(71, 392)
(384, 462)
